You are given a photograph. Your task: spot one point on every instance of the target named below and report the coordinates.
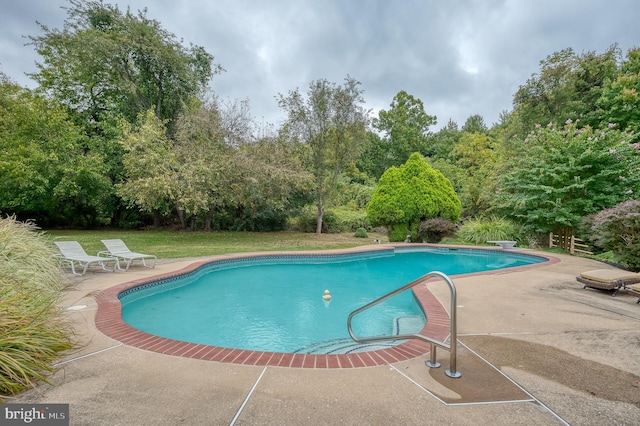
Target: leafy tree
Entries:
(105, 60)
(273, 182)
(85, 190)
(474, 124)
(151, 167)
(475, 155)
(443, 141)
(620, 99)
(373, 160)
(207, 176)
(332, 124)
(409, 194)
(45, 171)
(406, 126)
(31, 151)
(560, 175)
(567, 86)
(473, 151)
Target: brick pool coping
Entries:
(109, 321)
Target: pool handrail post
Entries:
(432, 363)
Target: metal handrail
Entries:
(451, 372)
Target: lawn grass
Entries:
(176, 244)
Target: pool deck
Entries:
(535, 348)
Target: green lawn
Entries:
(173, 244)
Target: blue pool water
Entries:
(276, 304)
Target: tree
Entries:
(406, 126)
(151, 167)
(373, 160)
(561, 175)
(567, 86)
(475, 155)
(332, 123)
(443, 141)
(474, 124)
(273, 182)
(45, 171)
(106, 61)
(620, 99)
(207, 175)
(412, 193)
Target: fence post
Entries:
(573, 246)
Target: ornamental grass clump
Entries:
(33, 330)
(494, 228)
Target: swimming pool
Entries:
(274, 303)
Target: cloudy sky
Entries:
(460, 57)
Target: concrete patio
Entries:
(535, 348)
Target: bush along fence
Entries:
(569, 243)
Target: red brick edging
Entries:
(109, 321)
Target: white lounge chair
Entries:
(72, 254)
(117, 248)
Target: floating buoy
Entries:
(326, 295)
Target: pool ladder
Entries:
(432, 363)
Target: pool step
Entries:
(410, 324)
(401, 325)
(343, 346)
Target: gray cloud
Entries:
(460, 58)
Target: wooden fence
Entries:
(569, 243)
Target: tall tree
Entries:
(406, 126)
(208, 176)
(273, 182)
(373, 160)
(474, 124)
(45, 171)
(562, 174)
(620, 100)
(443, 141)
(105, 60)
(475, 155)
(332, 122)
(567, 86)
(151, 167)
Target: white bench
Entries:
(504, 244)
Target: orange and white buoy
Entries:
(326, 296)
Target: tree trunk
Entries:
(319, 221)
(183, 221)
(156, 218)
(209, 218)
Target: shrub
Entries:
(361, 233)
(434, 230)
(618, 229)
(334, 220)
(481, 230)
(398, 232)
(410, 193)
(558, 175)
(32, 328)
